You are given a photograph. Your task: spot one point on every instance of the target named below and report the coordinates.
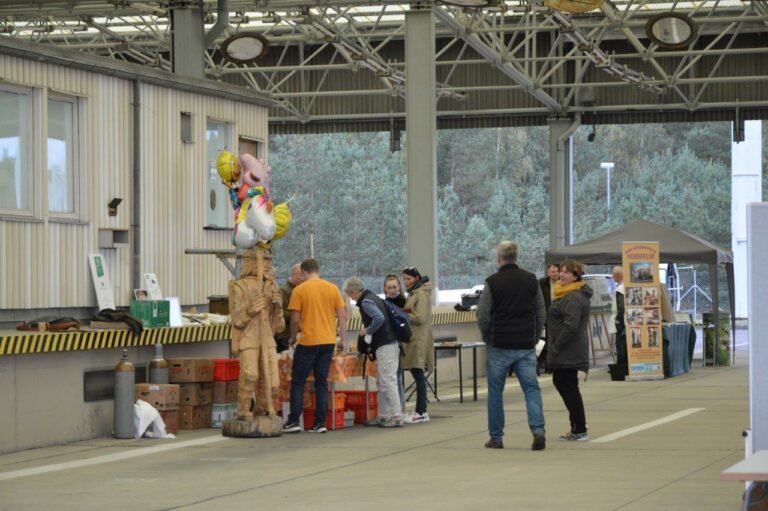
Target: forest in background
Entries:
(347, 194)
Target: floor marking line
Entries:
(647, 425)
(107, 458)
(483, 390)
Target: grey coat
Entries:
(567, 331)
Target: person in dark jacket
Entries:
(294, 279)
(378, 332)
(510, 315)
(569, 348)
(547, 285)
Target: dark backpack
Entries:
(399, 321)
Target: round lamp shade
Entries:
(573, 6)
(245, 48)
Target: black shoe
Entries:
(539, 443)
(291, 427)
(494, 443)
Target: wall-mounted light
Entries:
(112, 206)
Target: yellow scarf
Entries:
(562, 290)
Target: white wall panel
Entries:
(43, 263)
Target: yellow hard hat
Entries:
(228, 167)
(282, 219)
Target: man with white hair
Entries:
(378, 333)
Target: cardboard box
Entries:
(195, 417)
(162, 396)
(224, 392)
(231, 392)
(219, 393)
(219, 414)
(195, 394)
(171, 419)
(152, 313)
(184, 370)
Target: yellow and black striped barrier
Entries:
(22, 343)
(51, 342)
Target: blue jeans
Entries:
(308, 359)
(523, 363)
(421, 390)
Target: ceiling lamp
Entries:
(470, 4)
(573, 6)
(245, 47)
(671, 30)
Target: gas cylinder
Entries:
(157, 369)
(125, 381)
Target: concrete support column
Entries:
(560, 181)
(746, 187)
(421, 128)
(188, 40)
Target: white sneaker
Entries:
(416, 418)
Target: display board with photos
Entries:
(642, 306)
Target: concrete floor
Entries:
(439, 465)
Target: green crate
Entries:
(152, 313)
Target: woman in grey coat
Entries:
(568, 352)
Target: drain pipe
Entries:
(222, 22)
(136, 189)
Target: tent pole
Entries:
(715, 314)
(732, 301)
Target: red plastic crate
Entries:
(373, 412)
(357, 398)
(340, 398)
(226, 369)
(309, 418)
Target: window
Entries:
(61, 155)
(217, 138)
(15, 181)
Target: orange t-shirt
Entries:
(317, 300)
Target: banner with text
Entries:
(642, 310)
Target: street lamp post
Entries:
(608, 166)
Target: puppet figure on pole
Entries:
(254, 298)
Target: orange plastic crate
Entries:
(339, 397)
(226, 369)
(357, 397)
(309, 418)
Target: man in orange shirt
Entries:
(315, 305)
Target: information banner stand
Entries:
(642, 308)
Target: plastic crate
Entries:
(373, 412)
(339, 397)
(226, 369)
(309, 418)
(357, 398)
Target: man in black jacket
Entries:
(511, 318)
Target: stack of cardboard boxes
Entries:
(226, 371)
(195, 379)
(165, 399)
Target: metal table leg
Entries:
(461, 379)
(474, 373)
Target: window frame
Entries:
(230, 130)
(78, 138)
(32, 105)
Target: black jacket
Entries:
(384, 335)
(511, 309)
